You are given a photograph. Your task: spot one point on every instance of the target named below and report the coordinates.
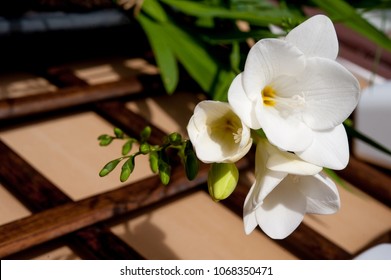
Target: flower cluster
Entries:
(294, 91)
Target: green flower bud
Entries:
(105, 140)
(175, 138)
(127, 169)
(145, 133)
(145, 148)
(109, 167)
(222, 180)
(154, 161)
(164, 172)
(118, 132)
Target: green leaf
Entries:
(193, 55)
(109, 167)
(127, 169)
(165, 59)
(191, 165)
(155, 10)
(235, 57)
(341, 11)
(263, 17)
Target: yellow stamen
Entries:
(268, 96)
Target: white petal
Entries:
(208, 151)
(192, 130)
(208, 111)
(265, 179)
(286, 132)
(249, 219)
(268, 59)
(290, 163)
(241, 105)
(240, 152)
(330, 92)
(282, 211)
(330, 149)
(321, 194)
(315, 37)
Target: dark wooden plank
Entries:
(67, 97)
(130, 122)
(369, 179)
(38, 194)
(73, 216)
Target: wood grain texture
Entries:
(69, 217)
(39, 194)
(368, 179)
(67, 97)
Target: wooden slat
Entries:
(73, 96)
(72, 216)
(132, 123)
(368, 179)
(39, 194)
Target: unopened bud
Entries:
(222, 180)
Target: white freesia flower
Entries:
(217, 133)
(286, 188)
(298, 94)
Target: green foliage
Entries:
(159, 155)
(203, 35)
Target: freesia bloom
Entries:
(286, 188)
(217, 133)
(298, 94)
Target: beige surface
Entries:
(195, 227)
(66, 150)
(360, 220)
(169, 113)
(111, 70)
(61, 253)
(23, 84)
(10, 208)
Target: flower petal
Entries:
(286, 132)
(208, 151)
(217, 133)
(249, 219)
(267, 59)
(241, 105)
(265, 179)
(330, 93)
(321, 193)
(330, 149)
(315, 37)
(282, 211)
(290, 163)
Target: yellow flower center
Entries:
(285, 105)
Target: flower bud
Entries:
(222, 180)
